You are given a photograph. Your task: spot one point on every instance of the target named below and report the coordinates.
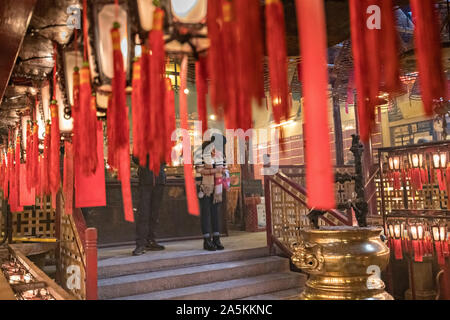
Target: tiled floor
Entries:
(236, 240)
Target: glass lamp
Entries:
(188, 11)
(105, 17)
(65, 124)
(146, 9)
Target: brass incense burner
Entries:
(343, 263)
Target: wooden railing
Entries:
(287, 210)
(76, 254)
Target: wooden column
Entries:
(91, 264)
(338, 139)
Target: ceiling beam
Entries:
(15, 17)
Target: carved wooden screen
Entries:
(429, 198)
(72, 258)
(35, 221)
(344, 182)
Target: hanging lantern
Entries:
(188, 11)
(65, 122)
(440, 242)
(105, 16)
(440, 164)
(396, 232)
(436, 161)
(391, 163)
(415, 239)
(146, 9)
(45, 94)
(414, 160)
(443, 159)
(396, 161)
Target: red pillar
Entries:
(91, 264)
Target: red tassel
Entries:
(68, 178)
(191, 192)
(136, 112)
(35, 157)
(124, 176)
(439, 253)
(145, 137)
(75, 114)
(200, 77)
(157, 92)
(54, 173)
(441, 180)
(417, 251)
(230, 43)
(46, 162)
(319, 172)
(9, 172)
(118, 105)
(170, 120)
(249, 54)
(398, 249)
(16, 205)
(112, 155)
(276, 49)
(28, 162)
(4, 179)
(389, 49)
(85, 127)
(360, 54)
(433, 84)
(216, 62)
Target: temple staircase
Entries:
(201, 275)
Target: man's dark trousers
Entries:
(150, 197)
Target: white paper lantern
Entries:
(106, 18)
(65, 125)
(189, 11)
(146, 9)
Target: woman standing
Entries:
(210, 166)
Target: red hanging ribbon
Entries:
(170, 120)
(15, 207)
(398, 254)
(68, 177)
(360, 54)
(216, 61)
(85, 127)
(389, 48)
(144, 115)
(202, 90)
(54, 171)
(46, 162)
(248, 54)
(418, 257)
(319, 171)
(136, 112)
(276, 49)
(118, 105)
(28, 164)
(433, 84)
(157, 92)
(191, 193)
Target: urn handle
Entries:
(308, 257)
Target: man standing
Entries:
(150, 195)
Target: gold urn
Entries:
(343, 263)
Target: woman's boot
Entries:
(208, 245)
(216, 241)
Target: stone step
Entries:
(160, 260)
(231, 289)
(279, 295)
(188, 276)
